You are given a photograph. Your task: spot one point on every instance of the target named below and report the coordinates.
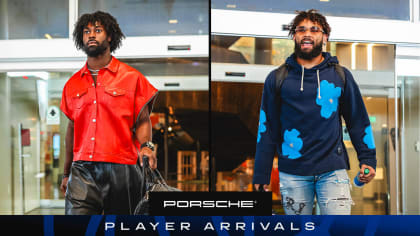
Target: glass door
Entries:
(25, 142)
(410, 144)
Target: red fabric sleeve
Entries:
(144, 95)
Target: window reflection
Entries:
(152, 18)
(378, 9)
(36, 19)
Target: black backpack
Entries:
(283, 70)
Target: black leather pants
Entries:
(96, 188)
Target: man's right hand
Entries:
(63, 185)
(257, 187)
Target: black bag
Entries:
(154, 183)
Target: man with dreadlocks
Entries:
(300, 118)
(108, 104)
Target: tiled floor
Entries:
(47, 211)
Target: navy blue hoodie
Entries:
(305, 127)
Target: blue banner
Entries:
(211, 225)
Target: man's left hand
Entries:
(366, 178)
(152, 157)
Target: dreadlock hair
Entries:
(311, 15)
(109, 23)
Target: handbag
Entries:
(154, 183)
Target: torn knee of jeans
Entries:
(342, 201)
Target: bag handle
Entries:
(156, 176)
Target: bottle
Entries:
(356, 179)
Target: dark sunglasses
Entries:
(313, 29)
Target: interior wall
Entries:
(6, 194)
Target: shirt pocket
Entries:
(114, 92)
(118, 98)
(79, 98)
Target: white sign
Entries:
(53, 115)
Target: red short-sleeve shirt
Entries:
(104, 115)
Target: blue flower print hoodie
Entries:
(304, 125)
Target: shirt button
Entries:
(112, 93)
(99, 83)
(94, 120)
(93, 84)
(92, 138)
(94, 102)
(78, 95)
(90, 156)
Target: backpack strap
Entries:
(340, 71)
(281, 73)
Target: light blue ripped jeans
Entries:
(332, 191)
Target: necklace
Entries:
(93, 72)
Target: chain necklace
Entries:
(93, 72)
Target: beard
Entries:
(308, 55)
(96, 50)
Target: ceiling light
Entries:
(48, 36)
(231, 6)
(173, 21)
(353, 56)
(370, 56)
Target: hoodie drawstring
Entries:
(303, 74)
(319, 88)
(317, 76)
